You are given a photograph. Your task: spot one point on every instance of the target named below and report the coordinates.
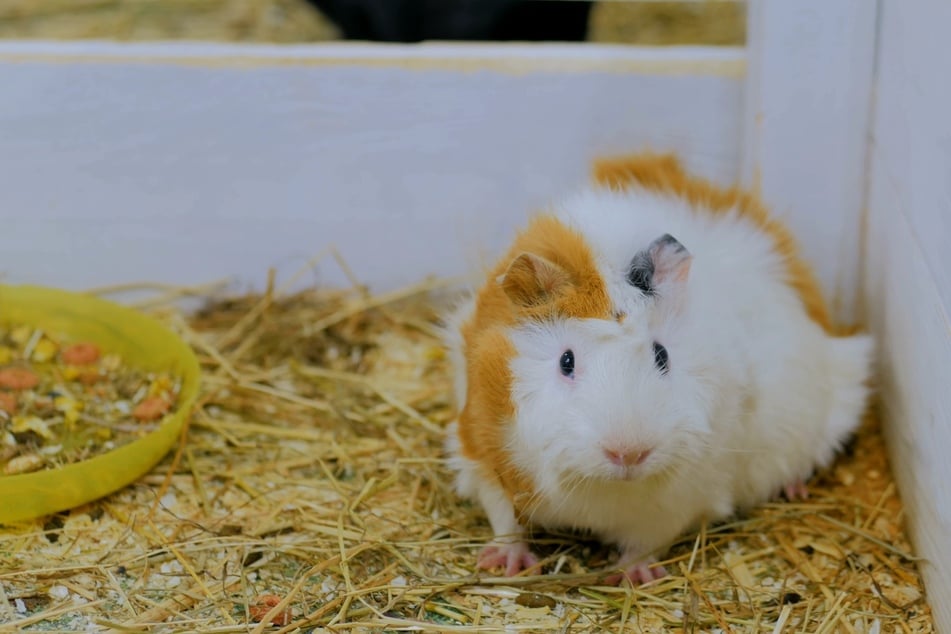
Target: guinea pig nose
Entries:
(627, 456)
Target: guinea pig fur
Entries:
(649, 354)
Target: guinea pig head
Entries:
(604, 397)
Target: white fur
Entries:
(452, 336)
(756, 397)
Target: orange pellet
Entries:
(8, 402)
(18, 378)
(89, 377)
(263, 604)
(81, 354)
(151, 408)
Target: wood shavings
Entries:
(343, 516)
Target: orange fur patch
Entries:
(664, 173)
(488, 408)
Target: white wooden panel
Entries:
(909, 272)
(914, 334)
(183, 162)
(912, 132)
(807, 115)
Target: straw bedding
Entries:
(310, 495)
(653, 22)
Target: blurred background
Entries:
(645, 22)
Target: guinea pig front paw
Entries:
(638, 573)
(513, 556)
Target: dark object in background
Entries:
(411, 21)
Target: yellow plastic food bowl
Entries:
(142, 342)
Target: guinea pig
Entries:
(651, 353)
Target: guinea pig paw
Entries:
(640, 573)
(515, 557)
(796, 491)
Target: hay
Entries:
(711, 22)
(311, 490)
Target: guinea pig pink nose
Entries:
(627, 456)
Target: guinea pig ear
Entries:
(531, 280)
(664, 263)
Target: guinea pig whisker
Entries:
(728, 449)
(703, 445)
(563, 500)
(732, 449)
(574, 482)
(531, 504)
(575, 485)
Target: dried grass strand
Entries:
(313, 471)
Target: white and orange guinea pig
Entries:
(650, 353)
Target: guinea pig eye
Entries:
(567, 363)
(661, 359)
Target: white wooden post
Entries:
(807, 110)
(908, 273)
